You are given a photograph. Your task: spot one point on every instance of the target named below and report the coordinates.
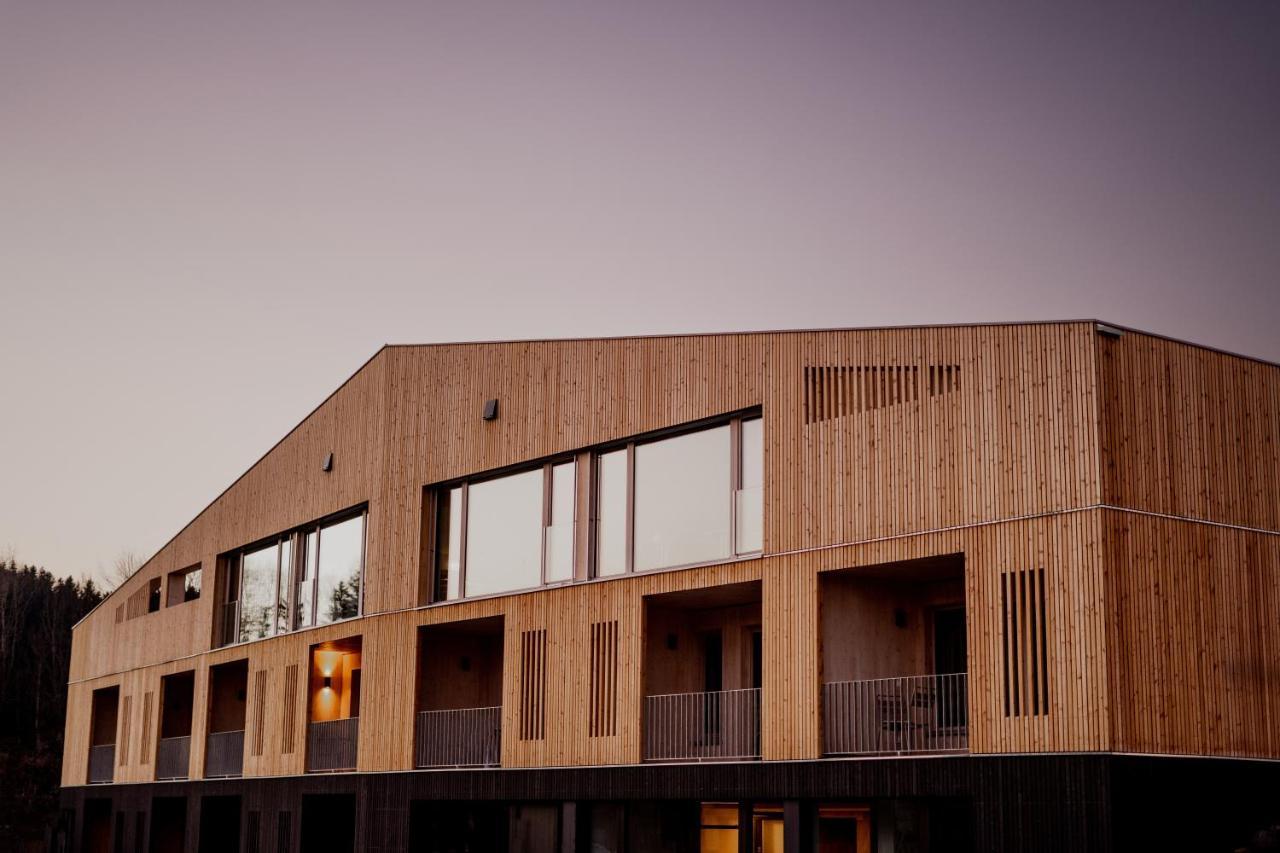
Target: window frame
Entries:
(180, 576)
(545, 515)
(232, 567)
(734, 422)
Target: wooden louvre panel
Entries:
(119, 614)
(126, 712)
(604, 679)
(144, 751)
(259, 707)
(533, 684)
(1026, 671)
(833, 391)
(290, 704)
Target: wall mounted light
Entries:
(899, 617)
(328, 682)
(1109, 331)
(672, 641)
(327, 464)
(465, 664)
(490, 410)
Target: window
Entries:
(310, 576)
(505, 533)
(183, 586)
(687, 499)
(153, 595)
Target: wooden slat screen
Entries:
(1026, 670)
(290, 704)
(833, 391)
(533, 684)
(144, 753)
(252, 831)
(122, 756)
(604, 679)
(259, 709)
(284, 833)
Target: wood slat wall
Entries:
(1008, 468)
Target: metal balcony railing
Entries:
(469, 737)
(331, 745)
(173, 755)
(717, 726)
(102, 763)
(224, 754)
(890, 716)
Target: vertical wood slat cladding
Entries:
(533, 685)
(604, 679)
(1190, 432)
(1023, 644)
(144, 744)
(290, 706)
(1193, 625)
(126, 719)
(1022, 435)
(258, 714)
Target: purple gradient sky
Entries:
(210, 214)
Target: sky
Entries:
(211, 214)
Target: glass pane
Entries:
(560, 530)
(719, 841)
(191, 586)
(282, 603)
(682, 494)
(258, 592)
(504, 534)
(448, 543)
(750, 498)
(611, 527)
(304, 612)
(341, 553)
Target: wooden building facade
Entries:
(956, 557)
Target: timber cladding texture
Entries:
(875, 452)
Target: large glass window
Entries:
(687, 499)
(506, 533)
(306, 577)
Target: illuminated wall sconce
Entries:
(328, 682)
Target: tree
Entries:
(122, 568)
(37, 612)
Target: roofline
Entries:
(656, 336)
(829, 329)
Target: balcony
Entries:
(896, 716)
(879, 622)
(722, 725)
(467, 737)
(331, 745)
(224, 755)
(173, 755)
(102, 764)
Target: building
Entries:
(1002, 587)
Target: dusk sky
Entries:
(212, 213)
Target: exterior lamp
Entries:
(328, 682)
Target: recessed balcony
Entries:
(104, 716)
(703, 675)
(459, 695)
(224, 744)
(333, 730)
(173, 751)
(894, 659)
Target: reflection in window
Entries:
(506, 533)
(682, 511)
(183, 586)
(718, 828)
(307, 577)
(688, 499)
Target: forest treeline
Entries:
(37, 612)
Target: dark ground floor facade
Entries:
(959, 803)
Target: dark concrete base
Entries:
(983, 803)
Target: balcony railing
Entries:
(469, 737)
(102, 763)
(173, 755)
(889, 716)
(719, 726)
(224, 754)
(331, 745)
